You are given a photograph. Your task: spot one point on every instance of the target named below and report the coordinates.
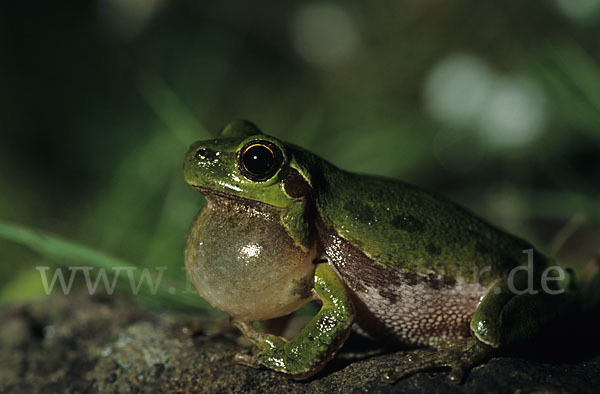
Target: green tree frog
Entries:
(283, 227)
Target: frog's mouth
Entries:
(213, 197)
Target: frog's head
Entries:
(242, 162)
(241, 259)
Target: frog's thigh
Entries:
(485, 323)
(306, 353)
(505, 317)
(526, 315)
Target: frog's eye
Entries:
(259, 160)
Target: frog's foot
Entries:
(460, 357)
(251, 334)
(249, 357)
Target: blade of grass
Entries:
(565, 233)
(170, 109)
(59, 251)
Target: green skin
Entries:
(409, 267)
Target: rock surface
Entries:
(110, 344)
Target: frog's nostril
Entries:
(202, 154)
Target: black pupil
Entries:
(258, 159)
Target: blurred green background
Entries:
(493, 104)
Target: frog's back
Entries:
(400, 226)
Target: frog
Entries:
(283, 227)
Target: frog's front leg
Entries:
(308, 352)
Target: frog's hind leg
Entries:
(514, 310)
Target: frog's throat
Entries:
(216, 198)
(290, 274)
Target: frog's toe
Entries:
(460, 358)
(396, 374)
(249, 360)
(466, 357)
(416, 361)
(457, 373)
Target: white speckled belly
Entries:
(403, 307)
